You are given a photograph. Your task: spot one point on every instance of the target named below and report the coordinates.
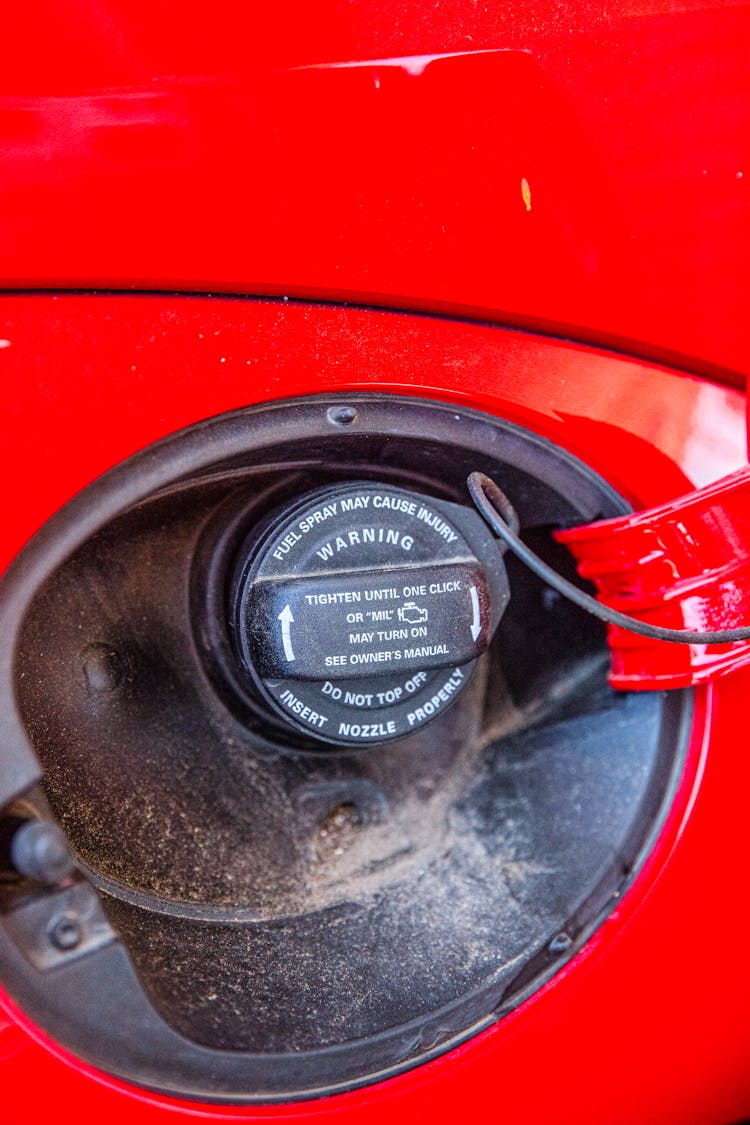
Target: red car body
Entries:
(537, 210)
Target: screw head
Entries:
(65, 931)
(342, 415)
(39, 851)
(561, 943)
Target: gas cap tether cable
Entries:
(494, 506)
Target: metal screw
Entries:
(342, 415)
(39, 851)
(561, 943)
(65, 931)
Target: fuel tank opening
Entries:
(301, 862)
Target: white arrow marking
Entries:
(476, 626)
(286, 617)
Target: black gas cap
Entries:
(360, 610)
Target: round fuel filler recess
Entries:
(360, 610)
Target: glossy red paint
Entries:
(350, 151)
(90, 380)
(554, 166)
(649, 1021)
(681, 565)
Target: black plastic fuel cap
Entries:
(360, 610)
